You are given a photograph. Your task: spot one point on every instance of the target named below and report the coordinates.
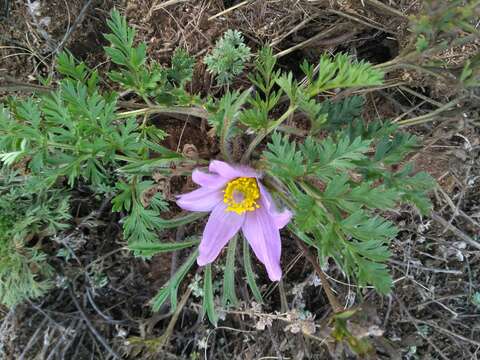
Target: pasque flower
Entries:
(237, 200)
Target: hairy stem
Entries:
(157, 109)
(224, 140)
(262, 135)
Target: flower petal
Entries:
(212, 181)
(279, 218)
(202, 199)
(222, 225)
(264, 238)
(230, 172)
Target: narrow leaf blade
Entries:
(250, 274)
(208, 303)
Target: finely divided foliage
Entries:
(228, 58)
(25, 215)
(337, 179)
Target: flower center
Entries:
(241, 195)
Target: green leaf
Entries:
(348, 195)
(323, 158)
(208, 302)
(226, 113)
(147, 79)
(392, 151)
(265, 98)
(340, 72)
(117, 56)
(150, 249)
(247, 263)
(68, 66)
(375, 274)
(11, 157)
(123, 199)
(179, 220)
(170, 289)
(414, 187)
(379, 197)
(140, 224)
(181, 70)
(328, 157)
(343, 112)
(373, 130)
(229, 296)
(345, 315)
(307, 212)
(265, 75)
(122, 36)
(257, 116)
(314, 111)
(283, 158)
(363, 227)
(147, 166)
(290, 86)
(138, 55)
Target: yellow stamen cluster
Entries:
(241, 195)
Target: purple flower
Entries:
(237, 200)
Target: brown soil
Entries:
(31, 35)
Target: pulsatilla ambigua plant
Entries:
(326, 186)
(335, 179)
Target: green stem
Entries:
(258, 139)
(224, 140)
(156, 109)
